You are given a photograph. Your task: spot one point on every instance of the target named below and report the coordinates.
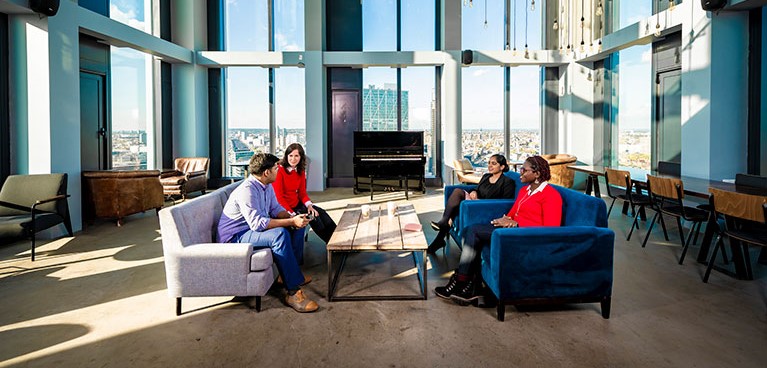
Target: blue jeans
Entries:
(287, 251)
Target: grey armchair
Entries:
(32, 203)
(195, 265)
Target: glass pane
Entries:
(418, 104)
(633, 11)
(525, 26)
(525, 138)
(131, 113)
(379, 99)
(418, 25)
(634, 106)
(247, 25)
(289, 25)
(482, 113)
(482, 25)
(290, 108)
(135, 13)
(379, 25)
(247, 116)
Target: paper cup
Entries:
(365, 210)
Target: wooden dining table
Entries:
(694, 187)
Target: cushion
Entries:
(261, 260)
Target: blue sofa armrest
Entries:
(450, 188)
(478, 212)
(549, 262)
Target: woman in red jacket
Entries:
(290, 188)
(537, 204)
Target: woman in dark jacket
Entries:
(493, 185)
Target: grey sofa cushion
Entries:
(261, 260)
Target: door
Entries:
(669, 116)
(93, 129)
(347, 118)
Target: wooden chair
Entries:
(465, 172)
(667, 195)
(619, 186)
(738, 209)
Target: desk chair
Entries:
(619, 186)
(738, 208)
(670, 168)
(667, 196)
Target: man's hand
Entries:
(300, 221)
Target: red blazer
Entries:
(290, 188)
(541, 209)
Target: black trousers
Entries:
(323, 225)
(476, 238)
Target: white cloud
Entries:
(126, 17)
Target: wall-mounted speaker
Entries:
(47, 7)
(712, 5)
(467, 57)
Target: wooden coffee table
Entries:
(377, 233)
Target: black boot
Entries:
(465, 293)
(438, 242)
(447, 290)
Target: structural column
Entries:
(316, 105)
(451, 82)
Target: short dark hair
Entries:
(539, 164)
(261, 162)
(301, 167)
(501, 160)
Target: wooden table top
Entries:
(697, 187)
(378, 231)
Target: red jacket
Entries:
(290, 188)
(541, 209)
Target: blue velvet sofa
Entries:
(568, 264)
(456, 231)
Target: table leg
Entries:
(407, 190)
(371, 187)
(330, 276)
(425, 275)
(589, 184)
(595, 184)
(708, 236)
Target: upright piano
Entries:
(388, 157)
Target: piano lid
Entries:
(388, 142)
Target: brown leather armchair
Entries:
(560, 174)
(116, 194)
(465, 172)
(190, 174)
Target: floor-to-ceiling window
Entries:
(249, 120)
(419, 109)
(379, 99)
(634, 113)
(379, 25)
(131, 90)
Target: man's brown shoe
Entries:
(307, 279)
(300, 302)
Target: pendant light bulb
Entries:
(555, 26)
(514, 52)
(599, 46)
(485, 24)
(657, 29)
(599, 11)
(561, 50)
(583, 21)
(532, 5)
(583, 47)
(671, 5)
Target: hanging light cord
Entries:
(514, 14)
(526, 28)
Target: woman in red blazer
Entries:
(290, 188)
(537, 204)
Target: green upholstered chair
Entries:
(32, 203)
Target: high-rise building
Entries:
(379, 108)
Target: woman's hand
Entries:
(504, 222)
(473, 195)
(311, 211)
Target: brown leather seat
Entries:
(560, 174)
(116, 194)
(465, 172)
(190, 174)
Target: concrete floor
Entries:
(99, 299)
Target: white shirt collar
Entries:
(540, 188)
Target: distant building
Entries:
(379, 108)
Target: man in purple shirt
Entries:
(253, 215)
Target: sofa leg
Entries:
(605, 303)
(255, 303)
(501, 310)
(178, 306)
